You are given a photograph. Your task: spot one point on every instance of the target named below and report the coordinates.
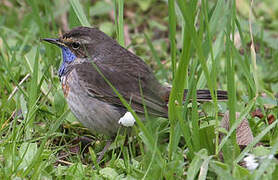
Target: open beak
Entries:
(54, 41)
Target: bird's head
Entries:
(77, 43)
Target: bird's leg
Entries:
(101, 153)
(85, 141)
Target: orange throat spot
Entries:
(65, 86)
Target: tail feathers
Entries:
(204, 95)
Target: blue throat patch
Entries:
(68, 57)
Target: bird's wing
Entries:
(127, 82)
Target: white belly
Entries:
(94, 114)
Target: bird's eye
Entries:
(75, 45)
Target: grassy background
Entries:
(194, 45)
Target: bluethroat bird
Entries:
(88, 95)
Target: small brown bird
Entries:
(89, 96)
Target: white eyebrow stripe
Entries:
(83, 40)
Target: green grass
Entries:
(189, 44)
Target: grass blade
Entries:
(79, 12)
(172, 34)
(255, 141)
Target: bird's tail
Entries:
(205, 95)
